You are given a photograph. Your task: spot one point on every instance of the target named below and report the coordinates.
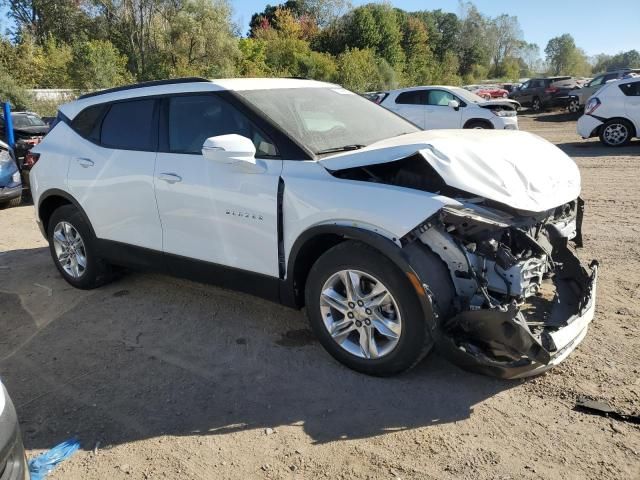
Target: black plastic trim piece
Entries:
(153, 83)
(54, 192)
(282, 269)
(387, 247)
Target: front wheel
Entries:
(73, 249)
(616, 133)
(365, 312)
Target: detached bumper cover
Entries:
(508, 343)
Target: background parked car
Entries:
(491, 91)
(541, 93)
(613, 114)
(10, 182)
(436, 107)
(29, 130)
(580, 96)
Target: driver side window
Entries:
(194, 118)
(440, 98)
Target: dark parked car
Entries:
(10, 183)
(13, 464)
(29, 130)
(541, 93)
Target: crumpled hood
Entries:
(505, 102)
(515, 168)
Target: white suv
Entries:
(613, 113)
(305, 193)
(437, 107)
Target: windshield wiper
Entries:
(344, 148)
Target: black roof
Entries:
(153, 83)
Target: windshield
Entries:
(466, 95)
(327, 119)
(20, 120)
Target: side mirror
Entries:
(232, 148)
(454, 104)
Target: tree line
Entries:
(92, 44)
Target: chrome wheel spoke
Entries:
(368, 343)
(335, 300)
(351, 281)
(386, 327)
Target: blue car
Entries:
(10, 181)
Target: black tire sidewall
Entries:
(95, 272)
(414, 338)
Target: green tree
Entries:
(629, 59)
(565, 58)
(97, 64)
(358, 70)
(419, 58)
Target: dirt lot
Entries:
(172, 379)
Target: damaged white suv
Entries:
(395, 239)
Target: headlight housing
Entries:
(505, 113)
(592, 105)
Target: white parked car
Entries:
(613, 113)
(307, 194)
(451, 107)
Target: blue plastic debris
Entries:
(40, 466)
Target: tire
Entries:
(478, 125)
(67, 225)
(573, 106)
(616, 133)
(15, 202)
(536, 105)
(400, 315)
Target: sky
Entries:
(595, 28)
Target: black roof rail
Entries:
(152, 83)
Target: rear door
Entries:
(214, 212)
(111, 171)
(438, 112)
(410, 105)
(631, 91)
(523, 94)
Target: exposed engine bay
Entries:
(521, 299)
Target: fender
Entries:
(290, 294)
(55, 192)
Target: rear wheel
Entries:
(536, 104)
(73, 249)
(616, 133)
(365, 311)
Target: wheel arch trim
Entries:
(55, 192)
(290, 293)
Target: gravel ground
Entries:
(164, 378)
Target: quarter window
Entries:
(631, 89)
(194, 118)
(87, 122)
(129, 126)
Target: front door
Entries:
(211, 211)
(438, 113)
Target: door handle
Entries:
(170, 177)
(85, 162)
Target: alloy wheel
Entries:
(536, 105)
(615, 134)
(70, 249)
(574, 106)
(360, 314)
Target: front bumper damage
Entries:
(501, 341)
(522, 300)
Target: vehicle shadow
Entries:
(150, 355)
(555, 116)
(594, 148)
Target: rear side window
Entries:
(415, 97)
(630, 89)
(129, 126)
(87, 122)
(193, 119)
